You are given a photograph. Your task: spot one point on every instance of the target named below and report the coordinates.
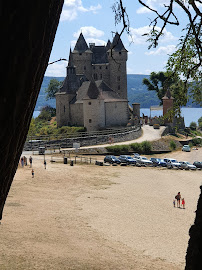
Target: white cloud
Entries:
(138, 38)
(72, 8)
(162, 50)
(98, 42)
(89, 31)
(154, 4)
(57, 69)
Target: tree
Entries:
(53, 88)
(28, 32)
(200, 122)
(187, 60)
(162, 81)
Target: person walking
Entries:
(173, 203)
(178, 198)
(30, 161)
(44, 164)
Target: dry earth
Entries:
(92, 217)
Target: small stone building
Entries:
(94, 92)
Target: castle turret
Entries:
(117, 56)
(82, 57)
(93, 108)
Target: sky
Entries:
(95, 19)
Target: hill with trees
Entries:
(137, 93)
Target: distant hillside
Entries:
(137, 93)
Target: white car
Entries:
(144, 161)
(187, 166)
(186, 148)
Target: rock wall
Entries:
(85, 141)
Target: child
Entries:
(174, 203)
(32, 173)
(183, 203)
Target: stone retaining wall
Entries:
(85, 141)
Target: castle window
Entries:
(93, 67)
(100, 76)
(64, 109)
(90, 121)
(100, 67)
(84, 67)
(106, 67)
(80, 53)
(118, 87)
(119, 52)
(89, 103)
(95, 76)
(118, 78)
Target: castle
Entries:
(94, 92)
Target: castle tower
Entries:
(117, 56)
(82, 57)
(93, 109)
(167, 102)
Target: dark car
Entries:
(112, 159)
(127, 159)
(198, 164)
(155, 161)
(162, 163)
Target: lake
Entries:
(189, 114)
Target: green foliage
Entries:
(185, 63)
(193, 125)
(162, 81)
(146, 147)
(200, 123)
(118, 149)
(53, 87)
(136, 147)
(141, 148)
(172, 145)
(45, 124)
(197, 141)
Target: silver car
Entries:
(187, 166)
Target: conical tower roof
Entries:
(70, 62)
(81, 45)
(108, 45)
(93, 91)
(117, 43)
(168, 95)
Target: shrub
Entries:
(146, 147)
(193, 125)
(172, 145)
(136, 147)
(118, 149)
(197, 141)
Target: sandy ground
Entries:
(92, 217)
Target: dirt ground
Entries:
(93, 217)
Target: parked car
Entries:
(187, 166)
(155, 161)
(186, 148)
(162, 163)
(158, 162)
(112, 160)
(198, 164)
(144, 161)
(136, 155)
(172, 163)
(127, 159)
